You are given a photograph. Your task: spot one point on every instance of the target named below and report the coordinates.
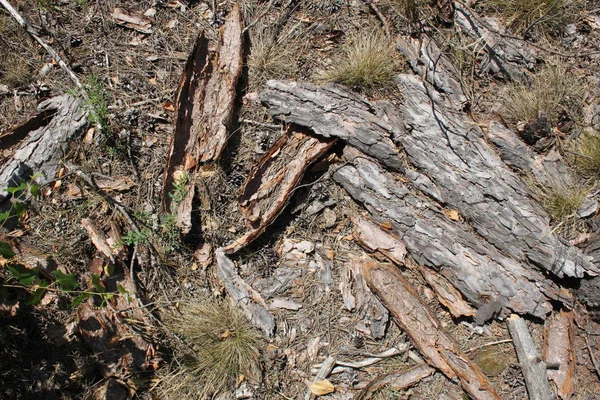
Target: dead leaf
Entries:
(321, 388)
(452, 214)
(204, 255)
(132, 20)
(116, 183)
(168, 106)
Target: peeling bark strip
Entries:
(473, 266)
(425, 331)
(244, 296)
(205, 102)
(456, 166)
(272, 181)
(42, 151)
(534, 369)
(559, 352)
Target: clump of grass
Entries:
(367, 59)
(225, 346)
(562, 200)
(271, 57)
(586, 154)
(410, 9)
(536, 18)
(551, 91)
(96, 102)
(15, 71)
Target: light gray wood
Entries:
(534, 369)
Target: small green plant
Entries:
(179, 187)
(169, 233)
(537, 17)
(367, 59)
(96, 102)
(136, 237)
(19, 203)
(224, 343)
(30, 279)
(585, 154)
(552, 91)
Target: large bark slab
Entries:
(450, 161)
(204, 108)
(559, 352)
(271, 182)
(61, 119)
(425, 331)
(478, 270)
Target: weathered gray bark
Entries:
(42, 151)
(534, 369)
(450, 162)
(505, 57)
(248, 299)
(476, 268)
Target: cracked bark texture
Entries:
(43, 149)
(451, 162)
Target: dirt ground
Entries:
(42, 352)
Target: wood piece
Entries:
(374, 238)
(455, 165)
(98, 238)
(359, 298)
(397, 380)
(323, 373)
(474, 267)
(243, 295)
(506, 58)
(41, 153)
(425, 331)
(204, 108)
(559, 335)
(534, 369)
(271, 182)
(393, 352)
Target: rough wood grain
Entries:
(271, 182)
(425, 331)
(243, 295)
(398, 380)
(501, 56)
(534, 369)
(474, 267)
(559, 352)
(43, 149)
(448, 160)
(204, 107)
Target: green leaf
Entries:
(97, 284)
(37, 296)
(24, 275)
(66, 281)
(80, 299)
(20, 208)
(15, 189)
(6, 250)
(121, 289)
(4, 216)
(34, 189)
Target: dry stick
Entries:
(342, 366)
(33, 33)
(377, 12)
(322, 374)
(472, 349)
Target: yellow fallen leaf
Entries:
(452, 214)
(321, 388)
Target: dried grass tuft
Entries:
(271, 57)
(562, 200)
(367, 59)
(552, 91)
(15, 71)
(225, 347)
(586, 154)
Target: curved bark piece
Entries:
(204, 106)
(41, 152)
(425, 331)
(271, 182)
(481, 273)
(455, 165)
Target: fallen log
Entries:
(204, 109)
(272, 181)
(398, 380)
(449, 162)
(481, 273)
(425, 331)
(248, 299)
(559, 352)
(41, 152)
(534, 369)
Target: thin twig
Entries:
(472, 349)
(262, 14)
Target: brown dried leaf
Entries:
(321, 388)
(452, 214)
(133, 20)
